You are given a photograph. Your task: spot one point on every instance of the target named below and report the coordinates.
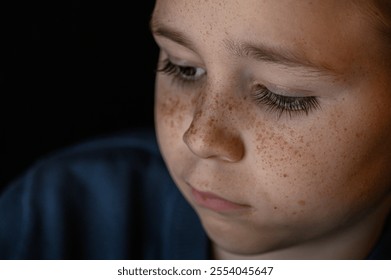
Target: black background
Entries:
(72, 70)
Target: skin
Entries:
(312, 185)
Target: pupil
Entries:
(188, 71)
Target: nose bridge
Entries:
(212, 132)
(215, 101)
(211, 114)
(209, 109)
(218, 94)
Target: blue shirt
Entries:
(110, 198)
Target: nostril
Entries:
(234, 149)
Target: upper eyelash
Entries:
(275, 102)
(176, 71)
(168, 67)
(287, 104)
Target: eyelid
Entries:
(286, 91)
(179, 55)
(182, 62)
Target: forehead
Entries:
(329, 31)
(260, 15)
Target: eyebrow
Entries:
(259, 52)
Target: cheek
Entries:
(169, 112)
(328, 162)
(288, 166)
(171, 116)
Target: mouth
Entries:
(214, 202)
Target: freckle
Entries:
(294, 213)
(301, 202)
(285, 175)
(211, 122)
(275, 208)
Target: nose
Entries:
(212, 134)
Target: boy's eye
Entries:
(182, 73)
(285, 104)
(261, 94)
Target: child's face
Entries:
(274, 117)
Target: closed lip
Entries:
(214, 202)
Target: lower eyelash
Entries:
(285, 104)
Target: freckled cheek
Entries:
(294, 164)
(322, 165)
(281, 151)
(172, 115)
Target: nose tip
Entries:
(212, 141)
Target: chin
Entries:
(244, 239)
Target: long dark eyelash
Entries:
(285, 104)
(177, 72)
(168, 67)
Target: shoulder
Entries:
(108, 163)
(97, 194)
(137, 143)
(382, 250)
(99, 159)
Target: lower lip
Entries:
(215, 203)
